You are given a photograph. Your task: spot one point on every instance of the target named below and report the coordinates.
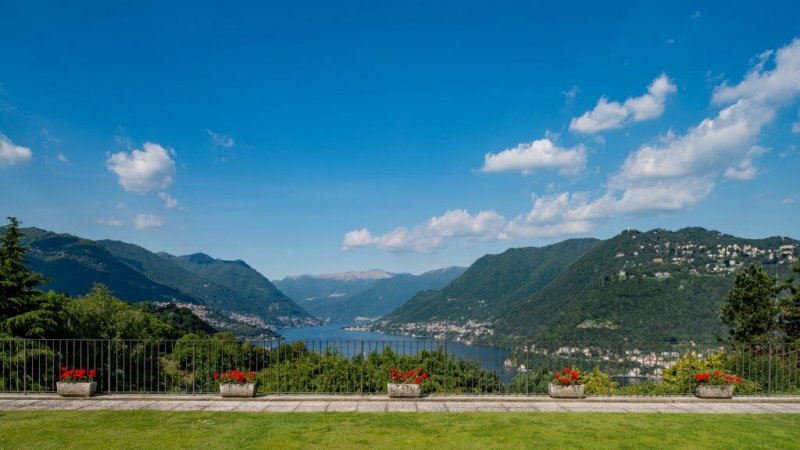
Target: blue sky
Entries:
(322, 137)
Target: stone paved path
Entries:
(755, 405)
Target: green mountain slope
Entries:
(492, 283)
(652, 286)
(135, 274)
(383, 295)
(254, 288)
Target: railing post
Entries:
(362, 367)
(769, 371)
(194, 364)
(446, 363)
(24, 367)
(108, 368)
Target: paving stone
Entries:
(312, 407)
(319, 404)
(108, 404)
(193, 406)
(165, 405)
(431, 406)
(342, 406)
(253, 406)
(220, 406)
(401, 406)
(460, 407)
(372, 407)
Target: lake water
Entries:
(353, 342)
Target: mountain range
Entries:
(637, 286)
(354, 295)
(224, 292)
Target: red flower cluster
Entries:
(76, 375)
(415, 376)
(718, 377)
(567, 377)
(234, 377)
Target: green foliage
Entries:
(24, 310)
(182, 320)
(533, 381)
(100, 315)
(598, 383)
(292, 368)
(751, 310)
(790, 305)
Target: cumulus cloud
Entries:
(671, 174)
(169, 202)
(431, 235)
(541, 154)
(141, 171)
(12, 154)
(147, 222)
(677, 172)
(220, 139)
(788, 201)
(111, 221)
(609, 115)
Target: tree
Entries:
(790, 305)
(100, 315)
(752, 309)
(24, 310)
(17, 283)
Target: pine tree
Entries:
(19, 296)
(752, 309)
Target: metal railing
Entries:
(186, 366)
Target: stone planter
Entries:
(708, 391)
(397, 390)
(76, 389)
(237, 390)
(559, 391)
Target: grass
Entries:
(213, 430)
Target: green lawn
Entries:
(209, 430)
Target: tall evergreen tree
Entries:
(790, 305)
(24, 310)
(752, 310)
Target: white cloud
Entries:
(220, 139)
(796, 127)
(571, 94)
(111, 221)
(63, 158)
(430, 236)
(12, 154)
(670, 175)
(537, 155)
(695, 15)
(143, 170)
(608, 115)
(788, 201)
(147, 222)
(727, 138)
(169, 202)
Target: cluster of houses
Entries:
(662, 260)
